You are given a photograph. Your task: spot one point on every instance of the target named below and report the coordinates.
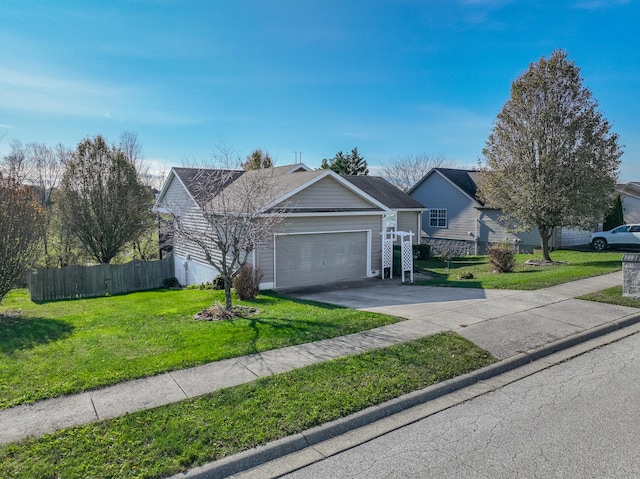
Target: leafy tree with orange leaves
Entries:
(21, 219)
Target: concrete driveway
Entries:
(504, 322)
(403, 300)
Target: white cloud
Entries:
(45, 93)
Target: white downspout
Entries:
(477, 238)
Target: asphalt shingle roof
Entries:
(632, 188)
(383, 191)
(205, 184)
(466, 180)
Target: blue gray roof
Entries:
(466, 180)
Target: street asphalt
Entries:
(517, 327)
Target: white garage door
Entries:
(303, 259)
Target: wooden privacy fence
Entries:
(74, 282)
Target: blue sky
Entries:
(389, 77)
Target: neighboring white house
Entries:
(630, 196)
(331, 230)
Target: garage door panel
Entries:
(303, 259)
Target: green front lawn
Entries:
(579, 265)
(69, 346)
(166, 440)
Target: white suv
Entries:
(625, 235)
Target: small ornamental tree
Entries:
(21, 219)
(551, 158)
(230, 220)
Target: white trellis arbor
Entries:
(406, 249)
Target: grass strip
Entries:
(62, 347)
(611, 296)
(573, 265)
(170, 439)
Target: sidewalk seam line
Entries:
(93, 405)
(178, 384)
(236, 360)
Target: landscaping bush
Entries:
(421, 251)
(218, 283)
(246, 282)
(502, 257)
(171, 282)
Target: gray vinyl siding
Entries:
(465, 219)
(325, 224)
(176, 198)
(264, 260)
(408, 221)
(438, 193)
(491, 231)
(194, 220)
(630, 208)
(327, 193)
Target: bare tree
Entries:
(234, 216)
(130, 145)
(48, 166)
(145, 245)
(405, 171)
(223, 157)
(102, 201)
(20, 219)
(17, 164)
(41, 167)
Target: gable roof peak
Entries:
(465, 180)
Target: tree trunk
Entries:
(227, 294)
(545, 234)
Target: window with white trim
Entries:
(438, 218)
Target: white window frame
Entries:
(439, 219)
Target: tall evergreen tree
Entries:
(349, 164)
(615, 216)
(257, 160)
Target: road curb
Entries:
(243, 461)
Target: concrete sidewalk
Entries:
(506, 323)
